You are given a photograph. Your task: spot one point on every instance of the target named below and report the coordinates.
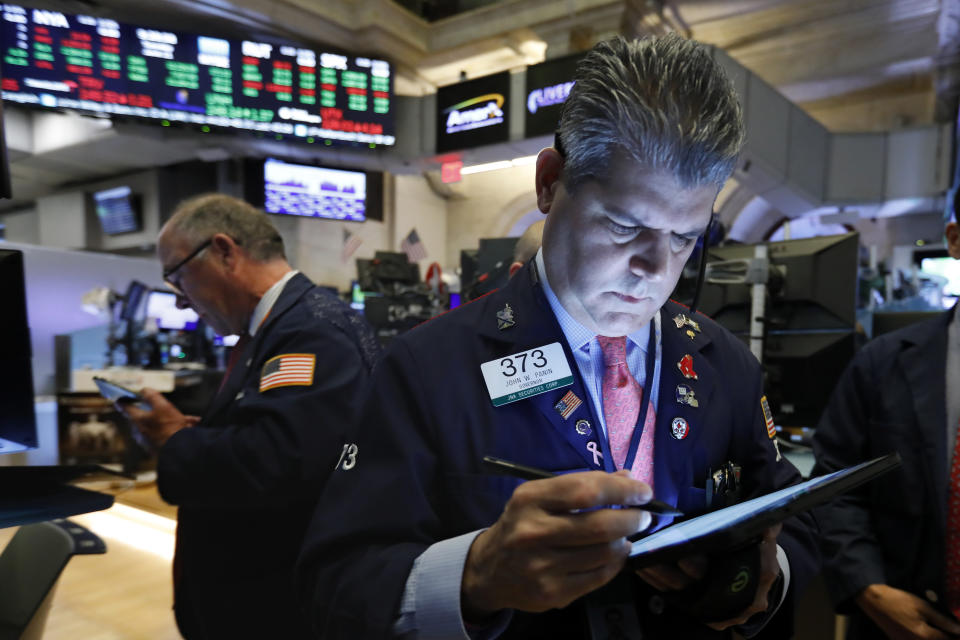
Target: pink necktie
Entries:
(621, 407)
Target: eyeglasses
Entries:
(174, 283)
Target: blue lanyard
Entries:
(652, 368)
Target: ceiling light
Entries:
(489, 166)
(523, 160)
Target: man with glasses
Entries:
(246, 475)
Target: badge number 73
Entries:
(527, 373)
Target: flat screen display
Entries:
(162, 307)
(548, 85)
(318, 192)
(948, 268)
(18, 424)
(98, 65)
(117, 210)
(473, 113)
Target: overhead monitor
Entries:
(815, 287)
(18, 428)
(118, 210)
(162, 308)
(473, 113)
(548, 85)
(98, 65)
(317, 192)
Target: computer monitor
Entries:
(468, 269)
(162, 308)
(118, 210)
(18, 425)
(943, 265)
(318, 192)
(815, 286)
(802, 370)
(130, 303)
(489, 266)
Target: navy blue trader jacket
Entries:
(892, 530)
(247, 477)
(417, 476)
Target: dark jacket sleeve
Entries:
(852, 555)
(273, 447)
(376, 516)
(798, 538)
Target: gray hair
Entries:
(200, 217)
(664, 102)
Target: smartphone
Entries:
(114, 392)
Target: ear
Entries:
(549, 168)
(228, 251)
(952, 232)
(514, 267)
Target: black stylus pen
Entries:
(517, 470)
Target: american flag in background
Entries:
(412, 246)
(350, 243)
(287, 370)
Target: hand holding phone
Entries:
(120, 394)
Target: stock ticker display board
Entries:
(98, 65)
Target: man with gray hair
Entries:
(247, 474)
(582, 369)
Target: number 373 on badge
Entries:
(527, 373)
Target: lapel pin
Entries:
(691, 334)
(583, 427)
(686, 367)
(685, 395)
(771, 427)
(679, 428)
(567, 404)
(505, 318)
(597, 454)
(683, 321)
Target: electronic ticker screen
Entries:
(98, 65)
(318, 192)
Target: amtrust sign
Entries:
(475, 113)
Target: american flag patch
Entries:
(768, 417)
(287, 370)
(568, 404)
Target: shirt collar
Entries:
(266, 303)
(578, 336)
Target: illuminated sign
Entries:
(548, 85)
(98, 65)
(473, 113)
(548, 96)
(483, 111)
(450, 171)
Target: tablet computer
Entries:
(740, 524)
